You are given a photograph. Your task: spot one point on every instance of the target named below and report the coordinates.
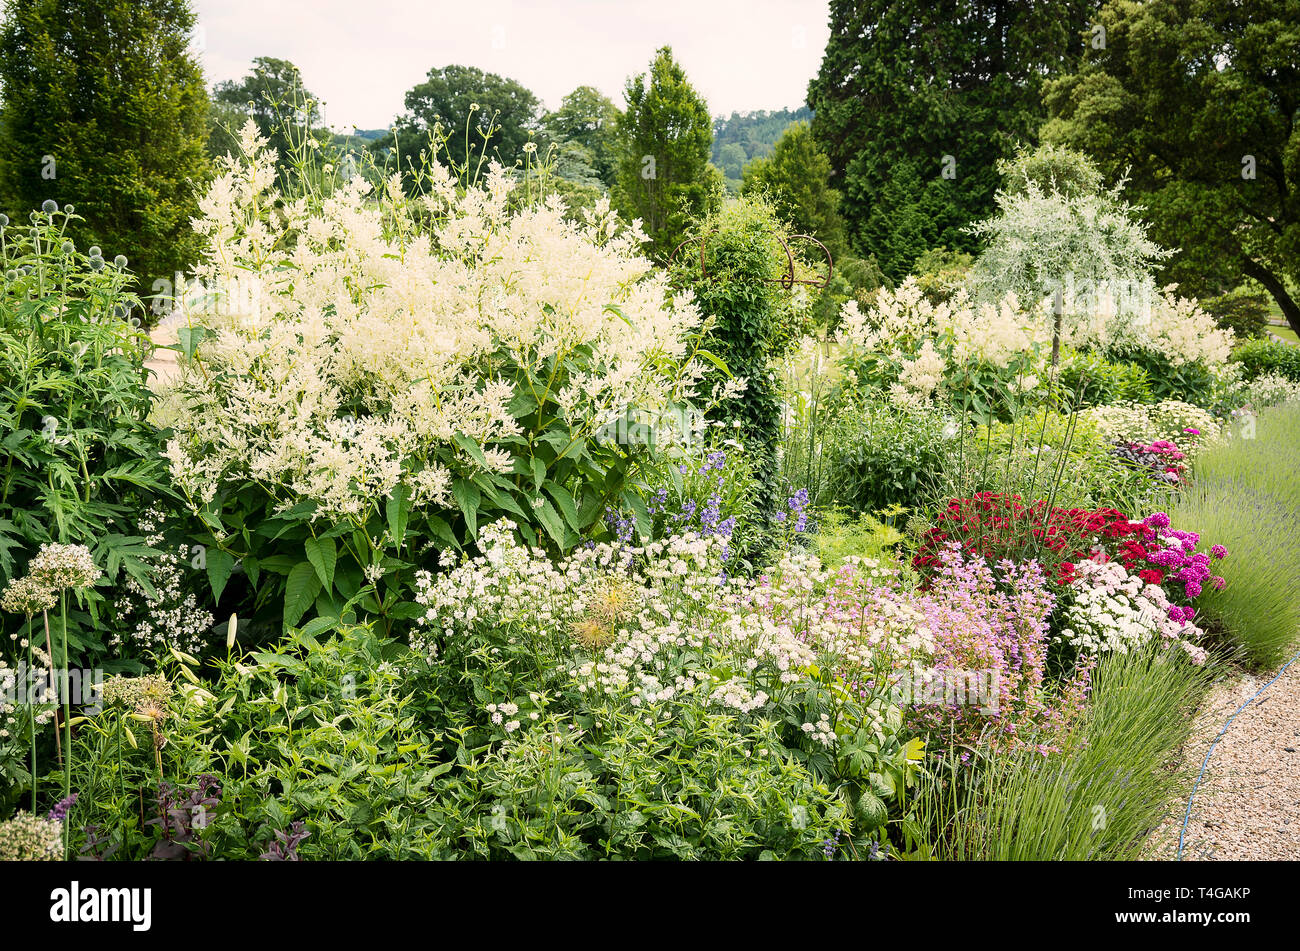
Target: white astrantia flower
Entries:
(654, 623)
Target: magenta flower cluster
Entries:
(1174, 553)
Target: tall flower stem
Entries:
(49, 651)
(67, 705)
(31, 710)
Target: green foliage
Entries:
(750, 318)
(941, 273)
(104, 109)
(812, 403)
(483, 116)
(664, 136)
(1117, 779)
(1242, 311)
(80, 461)
(795, 178)
(318, 730)
(903, 85)
(744, 136)
(1258, 357)
(379, 755)
(881, 456)
(1195, 100)
(687, 789)
(840, 536)
(1186, 382)
(1088, 379)
(1051, 169)
(1044, 454)
(589, 119)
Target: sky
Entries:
(361, 56)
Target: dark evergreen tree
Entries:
(795, 177)
(916, 101)
(665, 135)
(105, 109)
(1196, 101)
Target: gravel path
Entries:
(1248, 804)
(163, 363)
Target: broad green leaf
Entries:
(550, 520)
(442, 530)
(468, 498)
(189, 339)
(471, 449)
(323, 556)
(639, 511)
(523, 404)
(319, 625)
(715, 360)
(565, 501)
(397, 511)
(220, 564)
(300, 590)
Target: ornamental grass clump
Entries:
(1119, 775)
(1246, 496)
(1256, 611)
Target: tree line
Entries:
(915, 108)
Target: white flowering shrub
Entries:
(1083, 246)
(424, 366)
(651, 640)
(1078, 257)
(1267, 389)
(1172, 420)
(1114, 610)
(1180, 332)
(919, 351)
(962, 350)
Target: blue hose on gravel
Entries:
(1204, 765)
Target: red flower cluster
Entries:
(999, 526)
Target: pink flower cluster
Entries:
(979, 627)
(1170, 555)
(994, 618)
